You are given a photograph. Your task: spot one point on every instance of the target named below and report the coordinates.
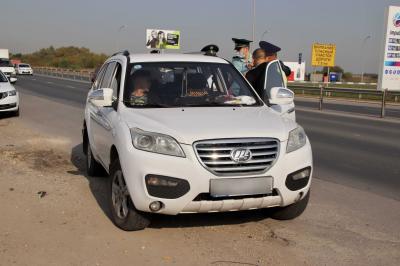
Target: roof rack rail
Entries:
(124, 53)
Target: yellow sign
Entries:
(323, 54)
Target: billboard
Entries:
(389, 73)
(323, 55)
(298, 71)
(162, 39)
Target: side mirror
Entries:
(101, 97)
(13, 80)
(281, 96)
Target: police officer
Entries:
(210, 50)
(241, 59)
(256, 76)
(271, 53)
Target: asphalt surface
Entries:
(355, 150)
(364, 108)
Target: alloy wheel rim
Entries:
(119, 195)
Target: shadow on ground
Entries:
(99, 184)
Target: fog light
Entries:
(155, 206)
(166, 187)
(303, 174)
(160, 181)
(299, 179)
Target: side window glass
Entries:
(116, 81)
(273, 78)
(99, 76)
(106, 81)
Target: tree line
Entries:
(64, 57)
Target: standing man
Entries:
(241, 59)
(259, 57)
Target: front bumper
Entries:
(25, 72)
(137, 164)
(9, 103)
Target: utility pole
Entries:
(362, 56)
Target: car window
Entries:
(273, 78)
(116, 81)
(99, 76)
(185, 84)
(106, 81)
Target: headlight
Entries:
(154, 142)
(297, 139)
(12, 93)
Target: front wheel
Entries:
(124, 213)
(292, 211)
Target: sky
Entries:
(28, 25)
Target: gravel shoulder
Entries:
(53, 214)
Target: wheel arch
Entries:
(113, 155)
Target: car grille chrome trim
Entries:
(215, 155)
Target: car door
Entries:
(96, 124)
(274, 78)
(103, 127)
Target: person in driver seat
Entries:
(196, 85)
(141, 87)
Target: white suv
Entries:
(187, 134)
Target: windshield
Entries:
(24, 65)
(3, 78)
(184, 84)
(5, 63)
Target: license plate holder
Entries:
(229, 187)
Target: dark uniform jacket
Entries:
(256, 77)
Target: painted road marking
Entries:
(69, 86)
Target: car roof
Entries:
(141, 58)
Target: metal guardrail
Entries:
(382, 98)
(82, 75)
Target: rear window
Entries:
(24, 65)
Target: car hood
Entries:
(188, 125)
(5, 86)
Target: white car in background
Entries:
(200, 141)
(9, 98)
(23, 69)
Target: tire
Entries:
(92, 166)
(124, 214)
(292, 211)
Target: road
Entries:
(357, 151)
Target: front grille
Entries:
(215, 155)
